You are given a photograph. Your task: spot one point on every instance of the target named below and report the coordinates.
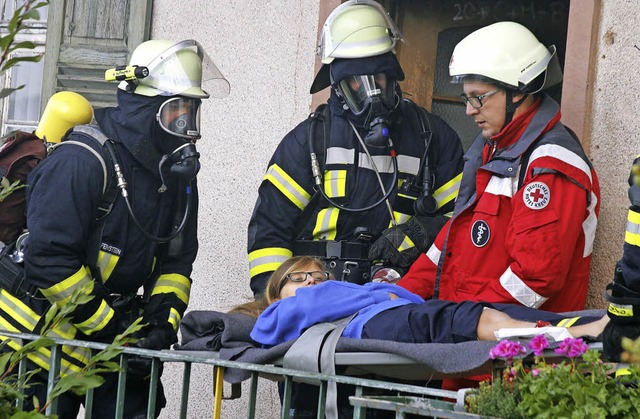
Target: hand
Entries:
(402, 244)
(151, 337)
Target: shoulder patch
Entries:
(480, 233)
(536, 195)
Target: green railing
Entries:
(405, 398)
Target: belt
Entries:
(331, 249)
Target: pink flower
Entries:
(572, 347)
(507, 349)
(538, 344)
(535, 372)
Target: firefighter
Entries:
(624, 291)
(141, 261)
(524, 223)
(363, 164)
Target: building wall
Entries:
(266, 51)
(615, 135)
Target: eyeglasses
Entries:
(302, 276)
(476, 101)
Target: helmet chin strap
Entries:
(511, 106)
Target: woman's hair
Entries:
(276, 282)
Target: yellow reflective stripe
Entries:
(174, 318)
(326, 224)
(42, 357)
(335, 183)
(176, 284)
(18, 311)
(289, 187)
(98, 320)
(399, 217)
(267, 259)
(61, 292)
(407, 243)
(620, 310)
(568, 322)
(632, 235)
(448, 192)
(107, 263)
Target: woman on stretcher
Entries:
(300, 294)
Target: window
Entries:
(21, 110)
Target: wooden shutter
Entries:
(87, 37)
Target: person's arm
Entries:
(62, 199)
(170, 294)
(421, 277)
(284, 193)
(450, 163)
(541, 243)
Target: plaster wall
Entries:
(266, 50)
(615, 134)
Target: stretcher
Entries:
(226, 336)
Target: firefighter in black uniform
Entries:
(148, 240)
(345, 184)
(624, 292)
(361, 165)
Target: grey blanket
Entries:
(228, 334)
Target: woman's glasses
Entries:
(302, 276)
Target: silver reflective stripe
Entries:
(434, 254)
(339, 155)
(384, 164)
(501, 186)
(289, 188)
(561, 153)
(520, 291)
(589, 226)
(408, 164)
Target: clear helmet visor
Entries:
(359, 91)
(180, 116)
(186, 69)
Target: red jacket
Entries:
(524, 221)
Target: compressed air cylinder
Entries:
(63, 111)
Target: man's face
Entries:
(492, 115)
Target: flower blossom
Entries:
(507, 349)
(572, 347)
(538, 344)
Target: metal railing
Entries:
(405, 398)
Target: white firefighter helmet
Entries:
(181, 68)
(357, 29)
(507, 53)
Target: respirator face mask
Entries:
(371, 98)
(180, 117)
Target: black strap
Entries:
(331, 249)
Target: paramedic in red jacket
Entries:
(525, 217)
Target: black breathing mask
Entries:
(183, 164)
(370, 98)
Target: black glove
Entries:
(392, 246)
(151, 337)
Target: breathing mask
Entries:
(370, 98)
(180, 116)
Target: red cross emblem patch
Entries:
(536, 195)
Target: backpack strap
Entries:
(319, 131)
(109, 190)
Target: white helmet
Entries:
(507, 53)
(357, 29)
(176, 69)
